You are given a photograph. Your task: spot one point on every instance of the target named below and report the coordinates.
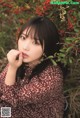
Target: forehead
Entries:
(29, 31)
(32, 33)
(26, 31)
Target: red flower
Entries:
(1, 0)
(70, 25)
(47, 1)
(71, 11)
(74, 18)
(17, 10)
(77, 0)
(7, 5)
(39, 11)
(46, 5)
(22, 21)
(61, 32)
(44, 8)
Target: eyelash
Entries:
(23, 38)
(37, 43)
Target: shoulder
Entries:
(52, 72)
(53, 69)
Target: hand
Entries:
(12, 58)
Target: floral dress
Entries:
(42, 97)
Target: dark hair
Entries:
(44, 31)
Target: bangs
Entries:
(34, 33)
(45, 31)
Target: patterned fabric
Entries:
(42, 97)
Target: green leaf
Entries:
(42, 0)
(50, 57)
(76, 30)
(62, 55)
(68, 49)
(70, 61)
(2, 50)
(54, 62)
(70, 39)
(79, 14)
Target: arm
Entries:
(10, 78)
(2, 76)
(36, 91)
(3, 73)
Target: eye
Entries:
(36, 42)
(22, 37)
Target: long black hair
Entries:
(46, 32)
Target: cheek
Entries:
(37, 51)
(19, 44)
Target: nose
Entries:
(26, 46)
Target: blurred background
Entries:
(14, 13)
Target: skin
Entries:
(32, 48)
(26, 45)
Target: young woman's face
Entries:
(31, 50)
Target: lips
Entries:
(24, 55)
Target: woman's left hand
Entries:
(12, 58)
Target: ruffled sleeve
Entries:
(43, 87)
(3, 73)
(2, 76)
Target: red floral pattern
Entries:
(41, 98)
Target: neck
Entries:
(34, 63)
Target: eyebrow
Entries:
(31, 38)
(24, 34)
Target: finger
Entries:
(13, 53)
(20, 58)
(16, 55)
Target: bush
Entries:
(13, 14)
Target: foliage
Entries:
(67, 19)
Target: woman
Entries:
(30, 84)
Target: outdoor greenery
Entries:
(14, 13)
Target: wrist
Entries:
(10, 78)
(12, 68)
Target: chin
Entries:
(26, 61)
